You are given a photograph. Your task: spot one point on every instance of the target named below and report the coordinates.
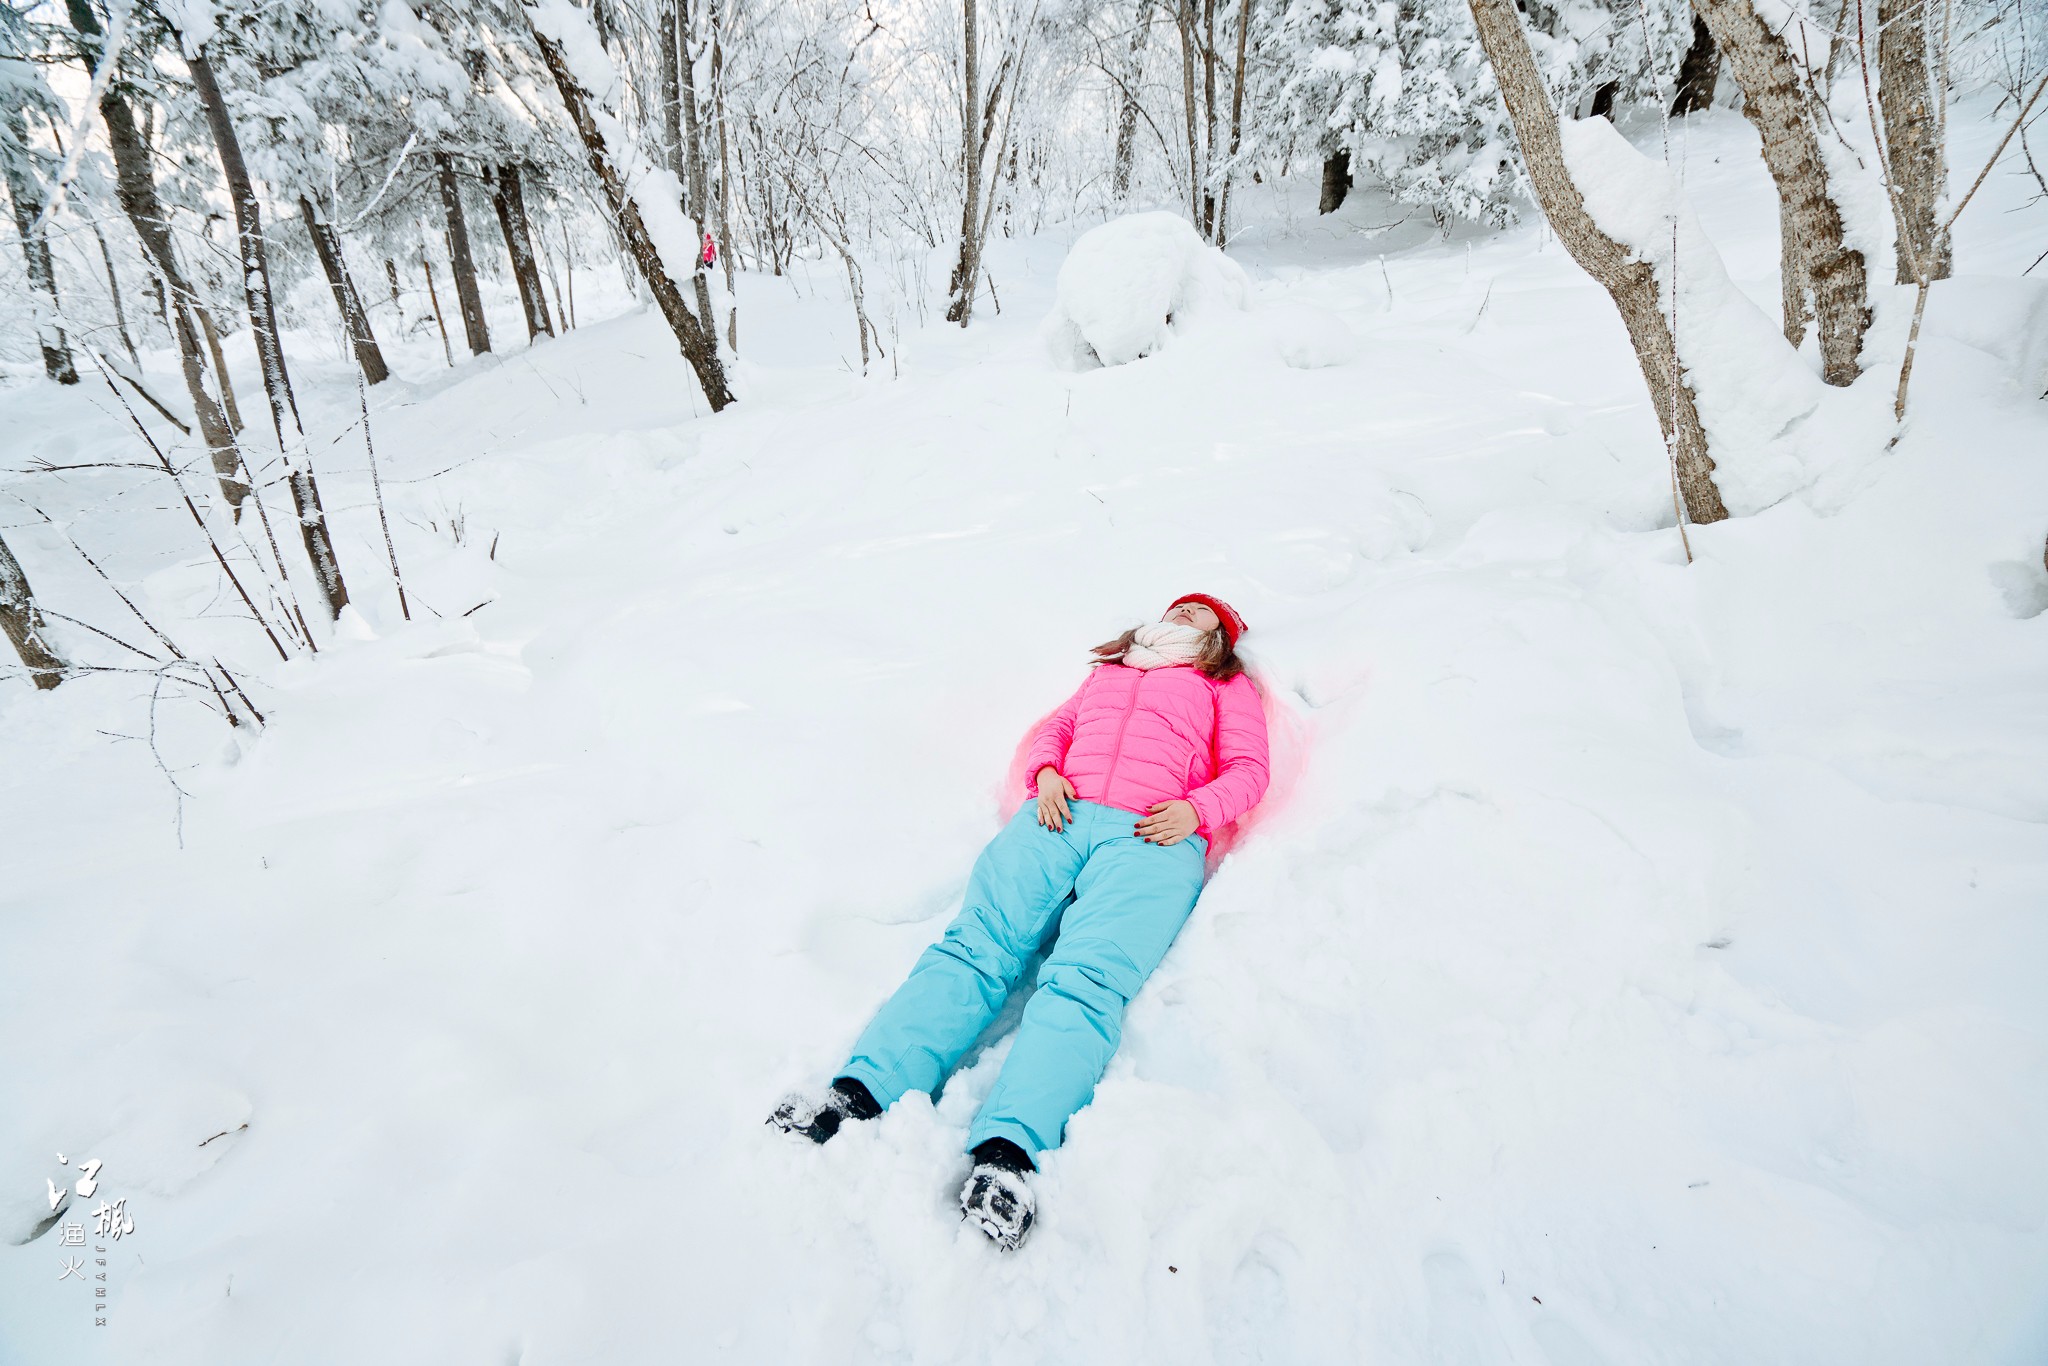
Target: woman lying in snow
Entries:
(1168, 729)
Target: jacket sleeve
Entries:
(1241, 757)
(1050, 744)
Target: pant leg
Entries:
(958, 986)
(1131, 899)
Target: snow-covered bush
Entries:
(1129, 285)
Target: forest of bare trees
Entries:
(174, 176)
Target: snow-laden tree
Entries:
(1394, 86)
(308, 82)
(24, 170)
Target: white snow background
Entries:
(1646, 968)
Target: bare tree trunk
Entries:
(1603, 100)
(699, 344)
(434, 302)
(568, 275)
(1914, 145)
(1776, 101)
(1127, 107)
(670, 40)
(327, 246)
(277, 384)
(1208, 117)
(1795, 290)
(1336, 180)
(554, 280)
(460, 263)
(1184, 18)
(725, 252)
(1631, 283)
(23, 624)
(695, 180)
(1244, 24)
(1841, 42)
(1924, 283)
(42, 272)
(220, 367)
(961, 306)
(254, 260)
(509, 199)
(979, 237)
(698, 182)
(114, 291)
(1697, 73)
(219, 424)
(135, 188)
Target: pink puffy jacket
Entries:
(1130, 738)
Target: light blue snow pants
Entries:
(1124, 901)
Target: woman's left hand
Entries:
(1169, 823)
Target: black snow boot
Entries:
(997, 1199)
(818, 1117)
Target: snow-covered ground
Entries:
(1641, 967)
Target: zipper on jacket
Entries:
(1117, 751)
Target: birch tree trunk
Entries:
(725, 253)
(35, 246)
(1184, 17)
(1776, 101)
(961, 306)
(327, 246)
(1208, 118)
(135, 189)
(23, 624)
(1244, 23)
(1631, 283)
(461, 264)
(698, 342)
(508, 197)
(670, 41)
(277, 384)
(1795, 291)
(697, 182)
(1919, 167)
(1127, 107)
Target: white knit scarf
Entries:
(1165, 642)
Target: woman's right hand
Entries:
(1054, 791)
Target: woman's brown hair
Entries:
(1217, 660)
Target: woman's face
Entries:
(1192, 614)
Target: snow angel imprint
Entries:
(1162, 745)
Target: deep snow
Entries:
(1643, 969)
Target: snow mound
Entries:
(1130, 284)
(2004, 318)
(1307, 337)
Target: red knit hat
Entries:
(1233, 624)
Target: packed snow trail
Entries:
(1643, 969)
